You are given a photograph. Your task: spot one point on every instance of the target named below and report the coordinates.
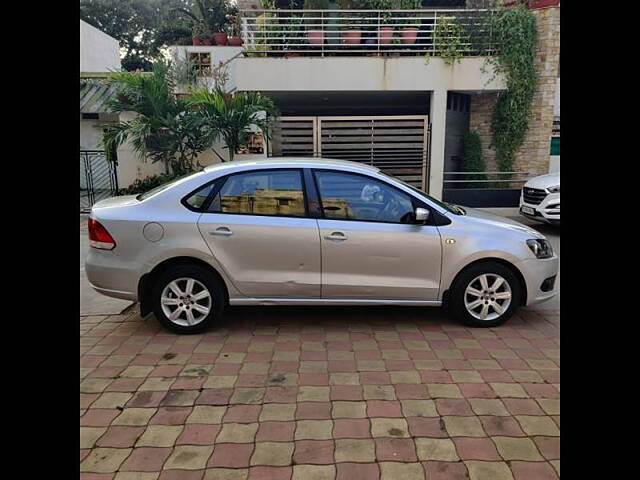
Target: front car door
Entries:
(257, 228)
(370, 247)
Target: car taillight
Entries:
(99, 237)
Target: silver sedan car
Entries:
(293, 231)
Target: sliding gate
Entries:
(397, 144)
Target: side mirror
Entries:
(422, 214)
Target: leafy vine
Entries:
(515, 35)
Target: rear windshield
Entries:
(164, 186)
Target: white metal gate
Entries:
(397, 144)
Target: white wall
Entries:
(362, 74)
(218, 54)
(98, 51)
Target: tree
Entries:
(232, 117)
(142, 27)
(164, 128)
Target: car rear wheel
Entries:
(187, 299)
(485, 295)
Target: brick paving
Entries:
(320, 393)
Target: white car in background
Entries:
(540, 199)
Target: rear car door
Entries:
(370, 247)
(257, 227)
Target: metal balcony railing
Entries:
(361, 32)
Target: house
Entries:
(377, 99)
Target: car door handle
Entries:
(224, 231)
(336, 236)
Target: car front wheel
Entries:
(485, 295)
(187, 299)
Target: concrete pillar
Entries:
(438, 120)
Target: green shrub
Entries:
(147, 183)
(473, 160)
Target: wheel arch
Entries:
(145, 285)
(516, 271)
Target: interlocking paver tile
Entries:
(206, 414)
(314, 452)
(237, 433)
(120, 437)
(513, 448)
(389, 427)
(463, 426)
(145, 459)
(441, 449)
(231, 455)
(476, 449)
(313, 429)
(355, 450)
(372, 397)
(538, 425)
(537, 470)
(197, 434)
(357, 471)
(488, 470)
(395, 450)
(485, 406)
(104, 460)
(159, 436)
(314, 472)
(272, 453)
(89, 435)
(397, 470)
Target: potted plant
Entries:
(210, 13)
(352, 31)
(409, 33)
(200, 34)
(315, 30)
(235, 40)
(385, 33)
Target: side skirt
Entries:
(331, 301)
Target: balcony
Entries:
(425, 32)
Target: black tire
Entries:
(457, 293)
(206, 278)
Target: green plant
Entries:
(472, 159)
(448, 40)
(147, 183)
(183, 72)
(163, 128)
(515, 35)
(231, 118)
(410, 18)
(211, 13)
(312, 20)
(200, 30)
(385, 17)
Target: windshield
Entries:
(159, 188)
(447, 206)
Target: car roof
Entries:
(304, 162)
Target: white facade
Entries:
(98, 51)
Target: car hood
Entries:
(544, 181)
(502, 222)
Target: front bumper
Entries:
(547, 211)
(536, 273)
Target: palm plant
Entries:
(210, 13)
(231, 118)
(163, 128)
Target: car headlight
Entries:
(555, 189)
(540, 247)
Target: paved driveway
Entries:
(321, 393)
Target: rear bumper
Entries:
(111, 276)
(536, 272)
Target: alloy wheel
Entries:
(487, 296)
(186, 301)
